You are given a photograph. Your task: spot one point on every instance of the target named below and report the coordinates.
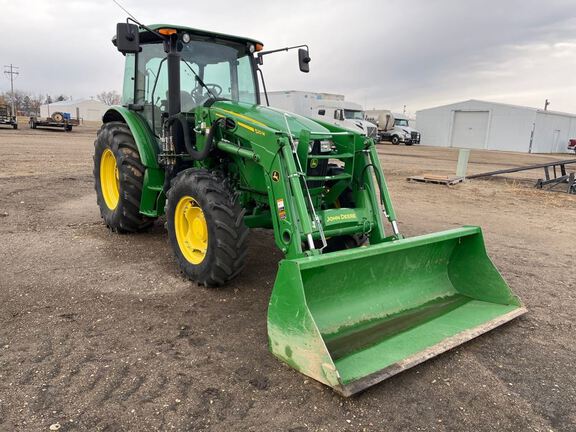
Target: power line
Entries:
(9, 70)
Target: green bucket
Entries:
(353, 318)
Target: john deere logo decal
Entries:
(313, 163)
(275, 176)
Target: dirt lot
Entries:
(100, 332)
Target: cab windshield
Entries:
(354, 115)
(401, 122)
(225, 70)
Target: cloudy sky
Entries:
(382, 54)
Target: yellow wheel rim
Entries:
(109, 179)
(191, 230)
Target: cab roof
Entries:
(203, 33)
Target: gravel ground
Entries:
(100, 332)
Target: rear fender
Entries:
(153, 198)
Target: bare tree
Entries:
(109, 97)
(25, 103)
(35, 102)
(18, 100)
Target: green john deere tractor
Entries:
(353, 303)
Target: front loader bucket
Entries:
(353, 318)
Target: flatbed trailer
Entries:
(56, 120)
(6, 117)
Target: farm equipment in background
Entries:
(556, 174)
(572, 145)
(7, 117)
(352, 303)
(56, 120)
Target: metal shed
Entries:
(486, 125)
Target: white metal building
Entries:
(84, 109)
(495, 126)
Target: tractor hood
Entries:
(258, 115)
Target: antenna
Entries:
(133, 18)
(124, 9)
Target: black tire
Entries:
(68, 128)
(125, 217)
(32, 125)
(227, 234)
(395, 140)
(15, 126)
(408, 143)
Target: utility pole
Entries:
(9, 70)
(404, 110)
(546, 103)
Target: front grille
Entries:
(372, 132)
(415, 136)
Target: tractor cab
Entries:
(173, 69)
(182, 68)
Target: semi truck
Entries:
(393, 127)
(328, 107)
(7, 118)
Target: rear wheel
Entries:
(206, 227)
(15, 125)
(118, 178)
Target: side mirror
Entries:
(127, 38)
(304, 60)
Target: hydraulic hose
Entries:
(196, 155)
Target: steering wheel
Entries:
(215, 88)
(200, 98)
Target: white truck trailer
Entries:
(331, 108)
(393, 127)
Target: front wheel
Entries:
(395, 140)
(118, 179)
(206, 227)
(15, 126)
